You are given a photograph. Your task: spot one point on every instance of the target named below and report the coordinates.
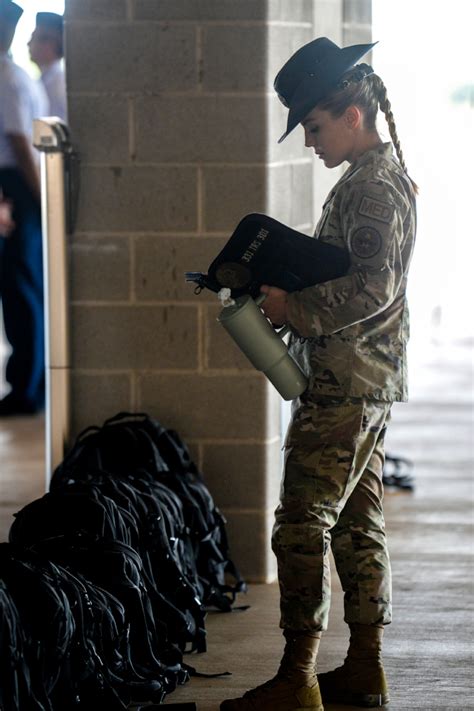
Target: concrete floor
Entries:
(428, 648)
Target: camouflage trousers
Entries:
(331, 499)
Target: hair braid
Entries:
(368, 92)
(386, 108)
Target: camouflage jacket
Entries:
(355, 328)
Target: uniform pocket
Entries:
(314, 483)
(325, 422)
(321, 446)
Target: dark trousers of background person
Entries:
(21, 290)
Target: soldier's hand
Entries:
(274, 306)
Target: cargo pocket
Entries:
(320, 449)
(300, 476)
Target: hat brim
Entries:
(314, 88)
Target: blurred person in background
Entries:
(21, 268)
(46, 50)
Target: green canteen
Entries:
(263, 346)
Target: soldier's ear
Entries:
(353, 117)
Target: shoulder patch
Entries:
(366, 242)
(376, 209)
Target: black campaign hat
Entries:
(51, 20)
(10, 12)
(311, 73)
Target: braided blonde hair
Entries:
(368, 92)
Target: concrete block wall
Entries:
(357, 22)
(172, 111)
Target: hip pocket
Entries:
(315, 478)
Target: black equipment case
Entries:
(262, 250)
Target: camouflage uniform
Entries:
(349, 336)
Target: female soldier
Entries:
(349, 336)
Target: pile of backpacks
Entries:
(106, 579)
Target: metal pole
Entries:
(51, 137)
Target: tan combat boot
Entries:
(294, 688)
(361, 679)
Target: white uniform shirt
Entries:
(54, 82)
(21, 100)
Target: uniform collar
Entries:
(384, 152)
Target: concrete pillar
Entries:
(172, 110)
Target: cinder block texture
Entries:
(291, 12)
(199, 10)
(134, 337)
(328, 19)
(357, 11)
(174, 116)
(234, 58)
(230, 193)
(100, 127)
(216, 129)
(100, 269)
(160, 263)
(98, 397)
(249, 536)
(243, 476)
(96, 9)
(131, 57)
(235, 474)
(358, 34)
(134, 199)
(283, 41)
(226, 10)
(203, 406)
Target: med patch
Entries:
(375, 209)
(366, 242)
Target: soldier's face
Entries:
(331, 138)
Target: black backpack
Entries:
(81, 509)
(116, 569)
(78, 527)
(126, 550)
(148, 513)
(15, 681)
(48, 623)
(128, 445)
(58, 649)
(206, 523)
